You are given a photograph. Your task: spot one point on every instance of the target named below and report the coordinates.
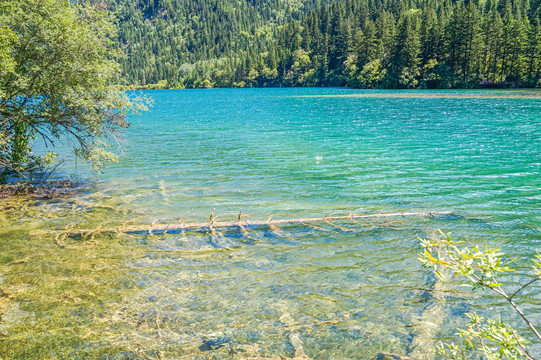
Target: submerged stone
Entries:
(382, 356)
(214, 344)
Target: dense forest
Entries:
(357, 43)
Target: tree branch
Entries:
(523, 287)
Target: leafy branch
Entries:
(493, 338)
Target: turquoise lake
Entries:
(345, 290)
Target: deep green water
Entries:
(351, 290)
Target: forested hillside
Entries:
(174, 39)
(359, 43)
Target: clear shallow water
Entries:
(349, 291)
(273, 151)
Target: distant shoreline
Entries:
(490, 89)
(479, 93)
(529, 94)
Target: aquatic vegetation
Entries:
(55, 296)
(40, 190)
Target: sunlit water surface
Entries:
(345, 290)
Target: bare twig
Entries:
(498, 290)
(524, 287)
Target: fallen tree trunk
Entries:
(242, 224)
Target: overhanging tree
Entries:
(57, 65)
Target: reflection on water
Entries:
(335, 291)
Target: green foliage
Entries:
(491, 338)
(7, 38)
(370, 76)
(62, 61)
(407, 44)
(301, 71)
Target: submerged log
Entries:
(211, 225)
(427, 328)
